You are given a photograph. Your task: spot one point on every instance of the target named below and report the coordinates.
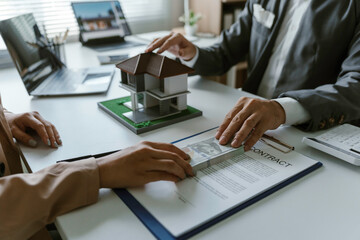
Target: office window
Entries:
(56, 15)
(124, 78)
(131, 80)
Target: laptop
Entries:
(102, 25)
(43, 74)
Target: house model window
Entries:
(157, 84)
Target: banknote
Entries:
(208, 152)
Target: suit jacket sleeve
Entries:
(30, 201)
(334, 104)
(231, 48)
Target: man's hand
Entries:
(143, 163)
(175, 43)
(248, 120)
(19, 123)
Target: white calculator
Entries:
(342, 142)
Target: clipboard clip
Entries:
(268, 139)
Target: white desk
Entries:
(323, 205)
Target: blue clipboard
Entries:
(160, 232)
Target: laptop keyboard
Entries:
(62, 81)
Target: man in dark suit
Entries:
(303, 56)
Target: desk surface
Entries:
(323, 205)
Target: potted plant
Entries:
(190, 22)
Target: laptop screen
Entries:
(100, 19)
(21, 35)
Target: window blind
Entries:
(55, 16)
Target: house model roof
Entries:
(154, 64)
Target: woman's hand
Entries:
(143, 163)
(20, 123)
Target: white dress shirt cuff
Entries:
(191, 63)
(295, 113)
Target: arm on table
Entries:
(333, 104)
(30, 201)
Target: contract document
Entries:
(185, 207)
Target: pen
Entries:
(87, 156)
(65, 35)
(265, 136)
(56, 41)
(32, 44)
(60, 38)
(45, 34)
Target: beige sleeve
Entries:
(30, 201)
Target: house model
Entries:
(158, 86)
